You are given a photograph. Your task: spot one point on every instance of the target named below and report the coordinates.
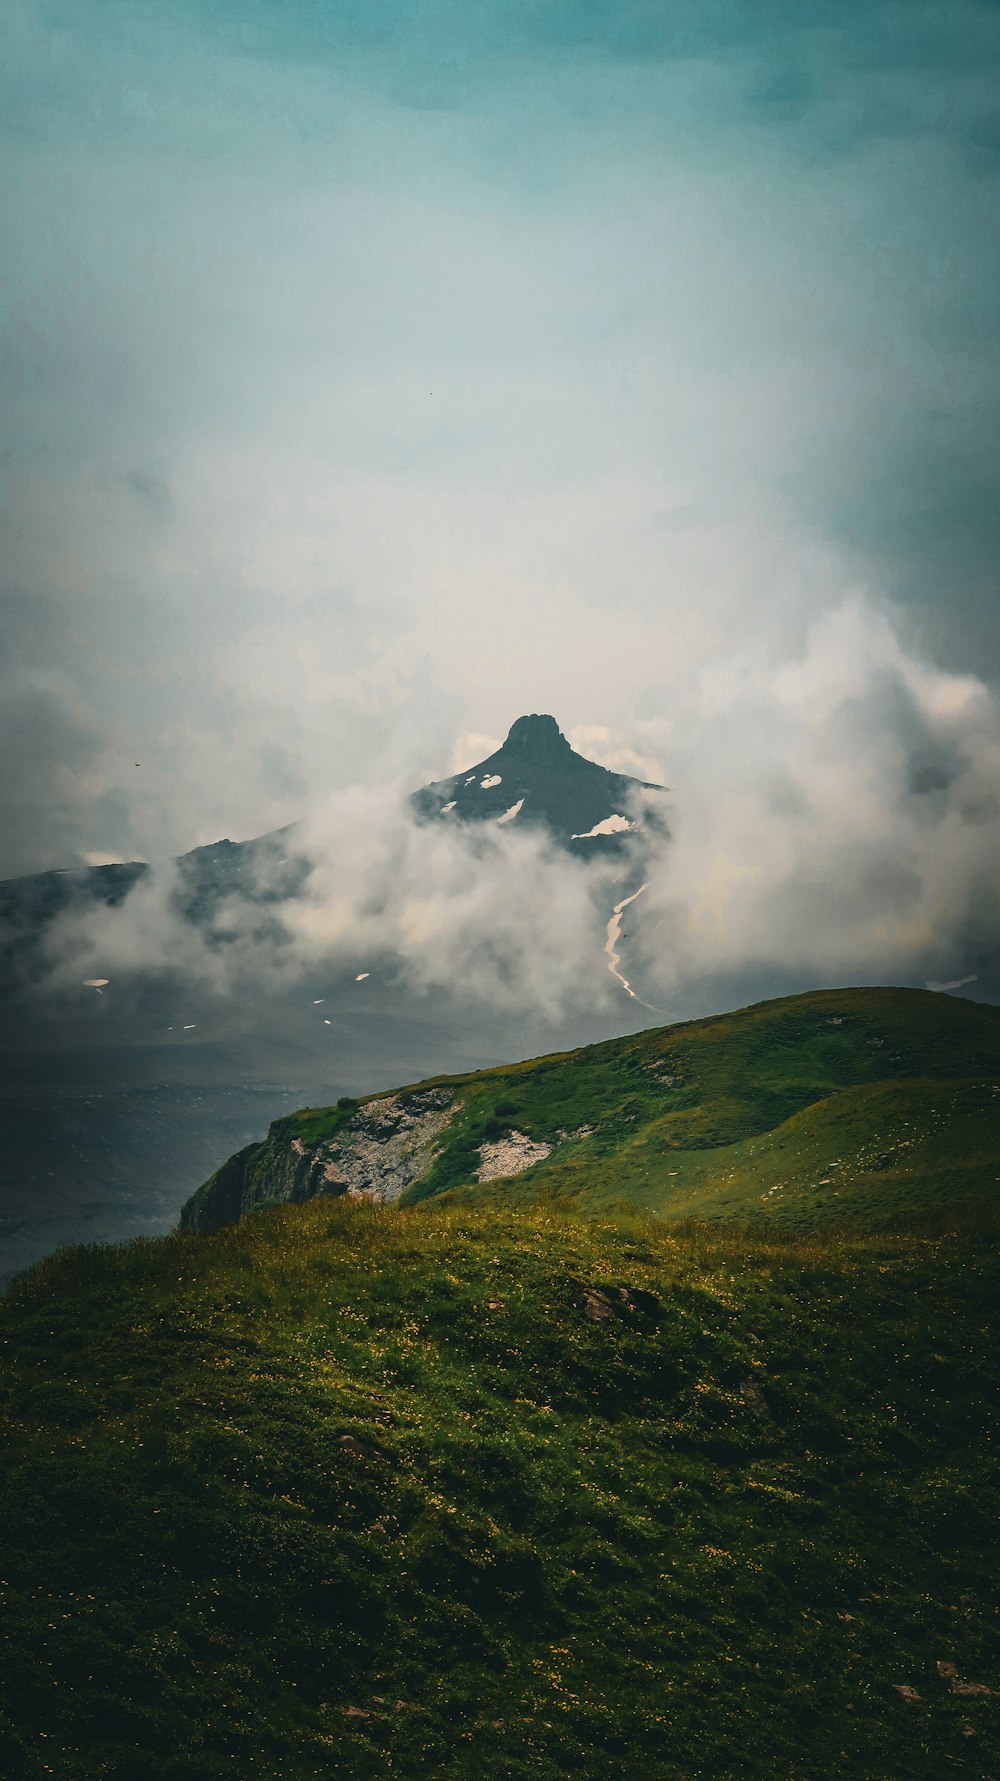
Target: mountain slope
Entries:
(842, 1102)
(489, 1495)
(263, 871)
(537, 778)
(875, 1153)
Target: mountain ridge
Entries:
(692, 1119)
(587, 809)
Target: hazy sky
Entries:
(374, 373)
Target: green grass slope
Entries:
(452, 1492)
(874, 1154)
(844, 1103)
(838, 1104)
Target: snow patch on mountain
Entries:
(612, 825)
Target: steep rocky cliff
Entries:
(369, 1151)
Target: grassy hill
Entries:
(355, 1490)
(871, 1154)
(512, 1478)
(863, 1104)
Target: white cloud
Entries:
(841, 827)
(834, 813)
(471, 748)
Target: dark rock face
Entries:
(221, 1200)
(536, 778)
(540, 739)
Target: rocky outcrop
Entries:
(388, 1144)
(510, 1156)
(376, 1151)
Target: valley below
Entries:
(114, 1109)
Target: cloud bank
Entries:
(840, 817)
(835, 818)
(373, 374)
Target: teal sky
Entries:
(373, 373)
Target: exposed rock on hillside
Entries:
(373, 1153)
(388, 1144)
(510, 1156)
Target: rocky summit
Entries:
(537, 778)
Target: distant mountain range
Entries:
(265, 870)
(534, 780)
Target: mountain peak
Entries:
(537, 735)
(537, 778)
